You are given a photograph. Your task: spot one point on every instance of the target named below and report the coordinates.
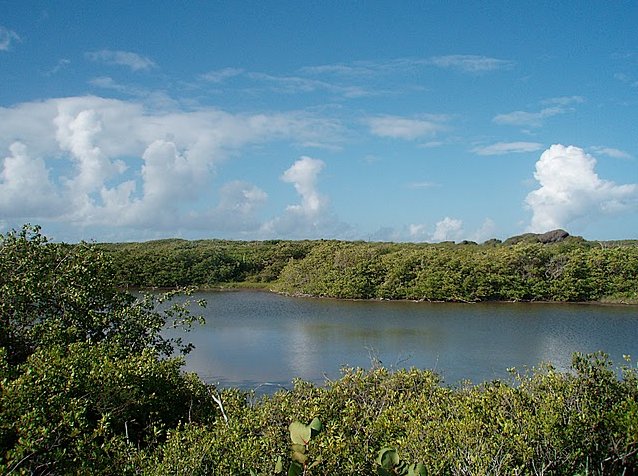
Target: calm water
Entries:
(252, 338)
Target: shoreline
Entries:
(264, 287)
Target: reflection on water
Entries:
(255, 337)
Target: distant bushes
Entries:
(173, 263)
(521, 269)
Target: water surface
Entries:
(252, 337)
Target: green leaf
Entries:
(279, 466)
(299, 457)
(388, 457)
(295, 469)
(315, 426)
(299, 448)
(300, 434)
(417, 469)
(316, 462)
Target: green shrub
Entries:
(542, 422)
(87, 408)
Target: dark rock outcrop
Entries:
(553, 236)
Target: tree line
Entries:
(520, 269)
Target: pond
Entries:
(253, 339)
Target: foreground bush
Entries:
(86, 382)
(91, 408)
(545, 422)
(58, 294)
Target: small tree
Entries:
(53, 293)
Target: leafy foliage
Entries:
(87, 384)
(542, 422)
(89, 408)
(524, 268)
(85, 381)
(570, 271)
(60, 294)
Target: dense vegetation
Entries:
(88, 386)
(520, 269)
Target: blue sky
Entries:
(377, 120)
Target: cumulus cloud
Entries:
(501, 148)
(241, 198)
(448, 229)
(187, 173)
(239, 202)
(303, 175)
(417, 232)
(7, 37)
(77, 135)
(570, 190)
(312, 217)
(25, 186)
(470, 63)
(129, 59)
(106, 162)
(485, 232)
(397, 127)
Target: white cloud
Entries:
(448, 229)
(7, 37)
(348, 70)
(571, 190)
(528, 119)
(25, 186)
(152, 98)
(417, 232)
(105, 162)
(77, 134)
(236, 212)
(625, 78)
(470, 63)
(303, 175)
(485, 232)
(312, 217)
(106, 82)
(60, 65)
(555, 107)
(501, 148)
(611, 152)
(426, 184)
(134, 61)
(171, 176)
(221, 75)
(405, 128)
(466, 63)
(564, 100)
(299, 84)
(241, 198)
